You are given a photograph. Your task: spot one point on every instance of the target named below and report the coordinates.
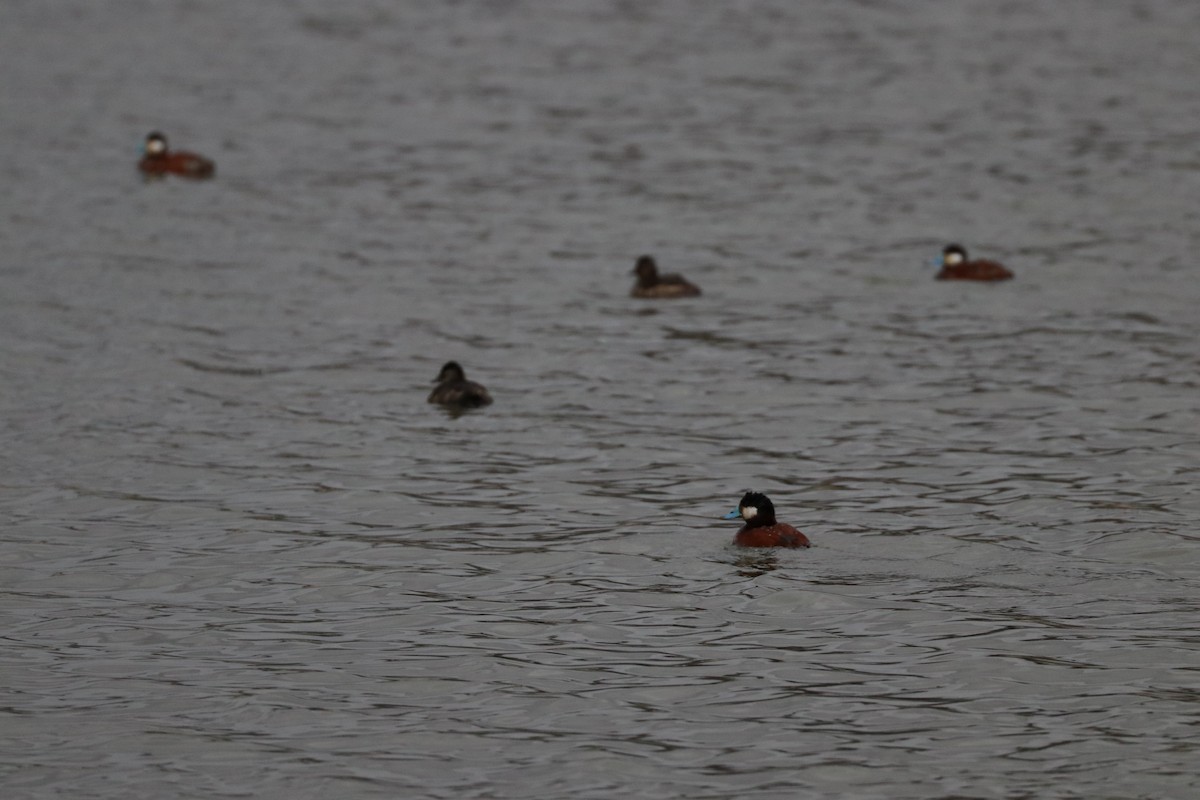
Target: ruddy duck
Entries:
(651, 284)
(157, 159)
(761, 529)
(453, 389)
(956, 267)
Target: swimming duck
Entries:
(956, 267)
(158, 159)
(651, 284)
(453, 389)
(761, 529)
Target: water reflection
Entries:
(752, 563)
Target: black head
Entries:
(646, 268)
(757, 508)
(954, 254)
(155, 144)
(451, 372)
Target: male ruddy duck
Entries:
(453, 389)
(651, 284)
(158, 159)
(761, 529)
(956, 267)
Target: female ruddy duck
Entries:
(453, 389)
(651, 284)
(761, 529)
(956, 267)
(158, 160)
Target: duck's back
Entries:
(464, 394)
(778, 535)
(184, 164)
(977, 270)
(672, 285)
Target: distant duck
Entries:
(158, 159)
(761, 529)
(956, 267)
(454, 390)
(651, 284)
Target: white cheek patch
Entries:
(749, 512)
(155, 146)
(950, 259)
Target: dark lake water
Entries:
(243, 557)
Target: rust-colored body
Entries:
(977, 270)
(778, 535)
(180, 162)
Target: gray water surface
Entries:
(244, 558)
